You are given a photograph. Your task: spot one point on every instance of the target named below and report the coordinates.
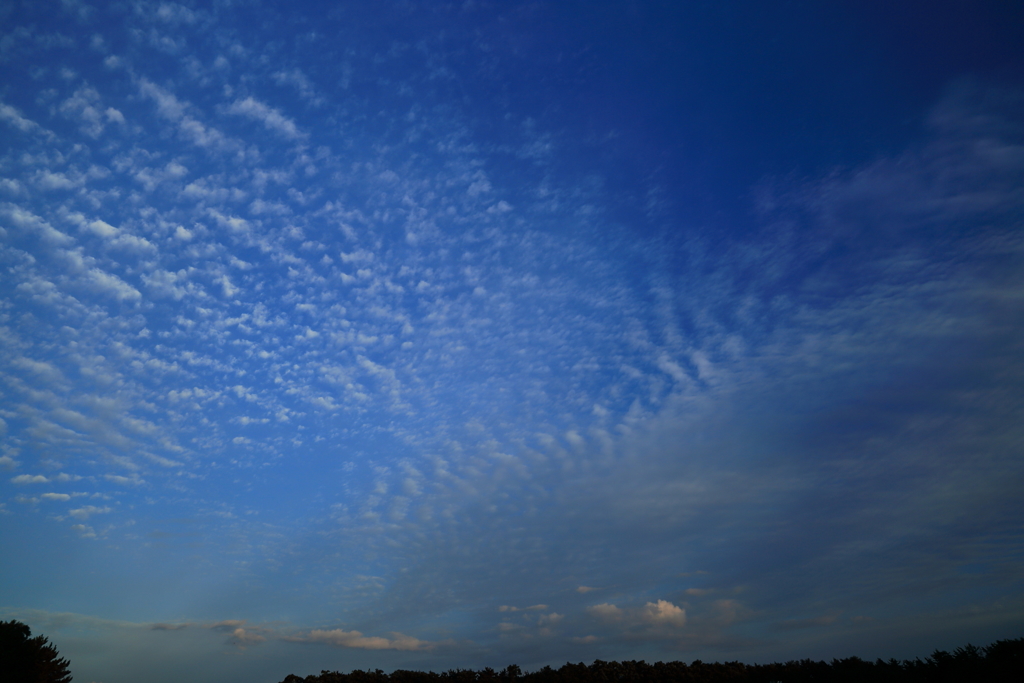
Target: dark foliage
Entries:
(1000, 662)
(24, 659)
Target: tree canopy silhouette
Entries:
(24, 659)
(1000, 662)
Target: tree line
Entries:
(1000, 662)
(24, 659)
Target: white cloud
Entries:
(232, 223)
(11, 187)
(656, 614)
(28, 221)
(550, 619)
(355, 639)
(133, 244)
(29, 479)
(112, 285)
(271, 118)
(88, 510)
(242, 638)
(103, 229)
(173, 13)
(201, 135)
(49, 180)
(85, 106)
(84, 530)
(13, 117)
(167, 104)
(166, 284)
(40, 369)
(358, 256)
(170, 108)
(664, 612)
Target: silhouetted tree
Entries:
(24, 659)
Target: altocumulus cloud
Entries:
(337, 336)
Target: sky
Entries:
(436, 335)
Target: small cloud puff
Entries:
(510, 608)
(664, 612)
(111, 285)
(270, 117)
(13, 118)
(241, 637)
(88, 511)
(354, 639)
(29, 479)
(103, 229)
(660, 613)
(84, 530)
(550, 619)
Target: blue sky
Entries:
(437, 335)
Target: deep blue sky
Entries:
(430, 335)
